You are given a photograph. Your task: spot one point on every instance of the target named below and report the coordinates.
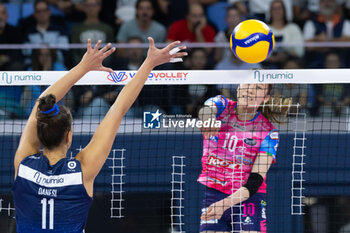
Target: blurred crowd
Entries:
(61, 22)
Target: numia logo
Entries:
(9, 78)
(262, 76)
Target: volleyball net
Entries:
(149, 181)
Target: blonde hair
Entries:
(276, 108)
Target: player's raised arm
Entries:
(94, 155)
(92, 60)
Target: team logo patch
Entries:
(274, 135)
(222, 163)
(214, 138)
(72, 164)
(250, 141)
(247, 221)
(239, 127)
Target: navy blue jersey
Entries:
(50, 198)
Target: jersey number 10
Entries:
(44, 203)
(230, 143)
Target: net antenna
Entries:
(117, 182)
(298, 171)
(177, 190)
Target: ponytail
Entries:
(53, 121)
(276, 108)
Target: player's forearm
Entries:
(242, 194)
(108, 128)
(130, 92)
(64, 84)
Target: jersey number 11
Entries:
(44, 203)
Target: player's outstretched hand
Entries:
(93, 58)
(170, 53)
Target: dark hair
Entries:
(285, 21)
(233, 7)
(139, 2)
(35, 58)
(40, 1)
(52, 128)
(276, 107)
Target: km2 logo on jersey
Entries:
(117, 76)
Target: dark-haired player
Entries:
(52, 192)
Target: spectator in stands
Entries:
(45, 59)
(304, 10)
(192, 29)
(298, 92)
(125, 11)
(233, 18)
(332, 99)
(143, 25)
(42, 28)
(92, 28)
(9, 59)
(162, 13)
(42, 60)
(284, 32)
(326, 26)
(64, 5)
(259, 9)
(10, 106)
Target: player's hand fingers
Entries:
(175, 51)
(89, 45)
(97, 46)
(208, 215)
(172, 45)
(109, 52)
(151, 42)
(106, 47)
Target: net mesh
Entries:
(149, 182)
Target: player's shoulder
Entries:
(32, 158)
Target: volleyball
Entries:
(252, 41)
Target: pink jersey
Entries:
(228, 157)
